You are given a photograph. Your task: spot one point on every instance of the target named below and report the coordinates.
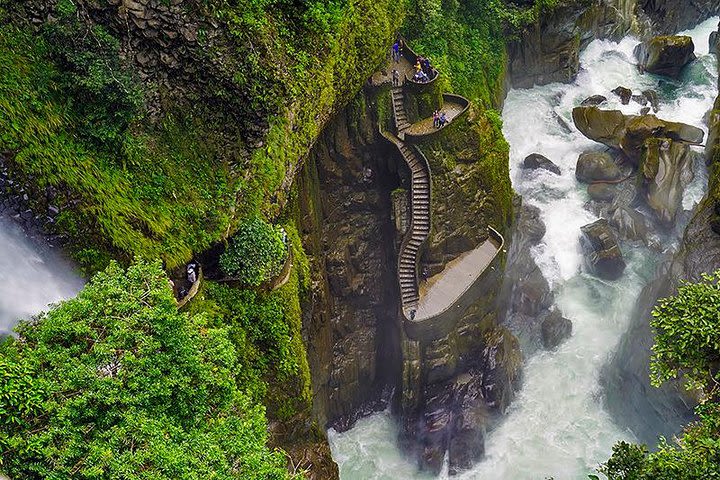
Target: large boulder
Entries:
(666, 170)
(715, 42)
(597, 167)
(629, 223)
(604, 126)
(602, 253)
(629, 132)
(536, 161)
(555, 329)
(665, 55)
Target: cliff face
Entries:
(351, 325)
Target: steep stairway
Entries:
(399, 113)
(419, 228)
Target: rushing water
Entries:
(30, 278)
(557, 425)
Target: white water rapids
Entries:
(30, 279)
(557, 425)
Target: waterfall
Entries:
(31, 277)
(558, 426)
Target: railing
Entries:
(412, 57)
(447, 98)
(444, 322)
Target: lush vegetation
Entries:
(687, 343)
(116, 383)
(256, 253)
(61, 133)
(173, 181)
(466, 41)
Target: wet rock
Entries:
(593, 100)
(597, 166)
(555, 329)
(640, 99)
(536, 161)
(629, 132)
(624, 93)
(665, 55)
(715, 42)
(653, 98)
(601, 251)
(525, 295)
(602, 192)
(629, 223)
(666, 170)
(467, 443)
(644, 110)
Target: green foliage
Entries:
(687, 340)
(266, 330)
(117, 384)
(103, 96)
(173, 205)
(695, 457)
(256, 253)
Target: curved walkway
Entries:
(441, 291)
(431, 310)
(453, 107)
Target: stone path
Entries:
(442, 290)
(384, 76)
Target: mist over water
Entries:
(557, 426)
(30, 279)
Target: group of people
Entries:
(424, 71)
(439, 119)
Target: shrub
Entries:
(256, 253)
(116, 383)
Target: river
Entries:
(557, 425)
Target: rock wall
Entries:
(671, 16)
(549, 51)
(447, 391)
(352, 330)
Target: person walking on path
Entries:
(395, 77)
(396, 52)
(436, 119)
(443, 119)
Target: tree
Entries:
(117, 384)
(256, 252)
(687, 342)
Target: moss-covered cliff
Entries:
(164, 124)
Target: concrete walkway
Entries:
(384, 76)
(444, 289)
(425, 126)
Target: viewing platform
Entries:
(453, 107)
